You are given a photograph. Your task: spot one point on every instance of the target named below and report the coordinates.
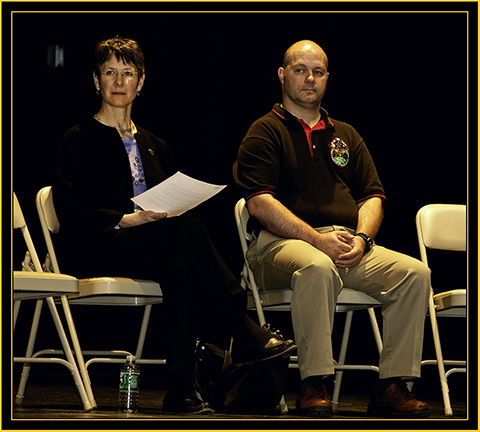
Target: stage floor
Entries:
(60, 401)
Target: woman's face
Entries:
(118, 83)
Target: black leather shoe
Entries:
(186, 404)
(275, 347)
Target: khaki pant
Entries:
(399, 282)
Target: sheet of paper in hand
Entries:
(176, 195)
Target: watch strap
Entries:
(368, 241)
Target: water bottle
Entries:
(129, 386)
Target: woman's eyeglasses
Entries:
(111, 75)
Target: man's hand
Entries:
(349, 259)
(336, 244)
(340, 246)
(139, 218)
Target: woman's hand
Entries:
(140, 217)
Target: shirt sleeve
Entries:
(256, 170)
(366, 182)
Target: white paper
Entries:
(176, 195)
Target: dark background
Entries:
(400, 77)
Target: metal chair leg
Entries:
(67, 351)
(78, 351)
(143, 331)
(341, 360)
(30, 345)
(440, 363)
(16, 310)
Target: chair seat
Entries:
(451, 302)
(117, 291)
(272, 299)
(348, 299)
(33, 285)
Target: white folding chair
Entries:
(34, 284)
(443, 227)
(279, 300)
(100, 291)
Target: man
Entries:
(311, 183)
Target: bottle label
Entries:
(129, 380)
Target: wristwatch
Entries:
(367, 239)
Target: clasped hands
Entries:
(343, 248)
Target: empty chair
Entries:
(443, 227)
(103, 291)
(348, 301)
(34, 284)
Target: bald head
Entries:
(303, 47)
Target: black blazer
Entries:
(93, 181)
(93, 184)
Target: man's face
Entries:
(304, 79)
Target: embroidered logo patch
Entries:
(339, 152)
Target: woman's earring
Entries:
(138, 93)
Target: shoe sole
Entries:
(204, 411)
(317, 412)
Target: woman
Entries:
(102, 162)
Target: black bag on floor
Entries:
(246, 388)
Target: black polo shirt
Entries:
(319, 173)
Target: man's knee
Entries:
(297, 271)
(422, 274)
(415, 279)
(320, 275)
(419, 271)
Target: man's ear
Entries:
(281, 74)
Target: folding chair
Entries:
(34, 284)
(279, 300)
(443, 227)
(100, 291)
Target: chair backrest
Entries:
(241, 219)
(441, 226)
(18, 219)
(49, 222)
(19, 223)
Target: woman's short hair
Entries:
(126, 50)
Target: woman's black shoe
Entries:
(275, 347)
